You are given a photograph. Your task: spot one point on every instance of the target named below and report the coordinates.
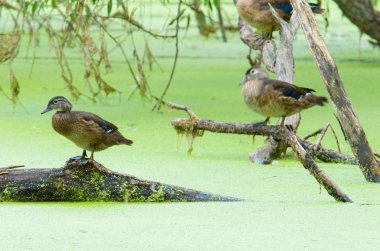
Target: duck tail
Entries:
(318, 100)
(316, 8)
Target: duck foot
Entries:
(79, 158)
(82, 157)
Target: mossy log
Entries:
(87, 180)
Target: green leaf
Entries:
(109, 7)
(26, 5)
(34, 8)
(87, 10)
(216, 3)
(54, 3)
(175, 19)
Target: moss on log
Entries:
(87, 180)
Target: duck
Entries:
(257, 13)
(87, 130)
(275, 98)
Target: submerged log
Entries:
(195, 127)
(87, 180)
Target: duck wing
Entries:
(288, 90)
(92, 119)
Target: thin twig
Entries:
(157, 106)
(221, 22)
(191, 114)
(10, 167)
(125, 16)
(313, 134)
(322, 134)
(336, 139)
(122, 51)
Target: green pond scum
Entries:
(283, 207)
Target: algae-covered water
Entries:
(283, 208)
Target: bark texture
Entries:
(344, 110)
(363, 14)
(194, 127)
(88, 180)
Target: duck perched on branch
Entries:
(87, 130)
(257, 13)
(275, 98)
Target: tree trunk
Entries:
(90, 181)
(362, 14)
(344, 111)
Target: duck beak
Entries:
(243, 80)
(47, 109)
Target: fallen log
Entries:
(87, 180)
(194, 127)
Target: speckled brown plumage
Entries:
(257, 13)
(87, 130)
(274, 98)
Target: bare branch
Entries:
(344, 110)
(158, 104)
(191, 127)
(191, 114)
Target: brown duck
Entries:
(87, 130)
(258, 14)
(274, 98)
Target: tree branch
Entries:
(159, 102)
(362, 13)
(196, 126)
(344, 110)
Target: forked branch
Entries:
(300, 147)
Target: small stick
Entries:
(10, 167)
(336, 139)
(191, 114)
(322, 134)
(313, 134)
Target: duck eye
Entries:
(55, 101)
(252, 72)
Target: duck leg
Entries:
(84, 154)
(282, 121)
(92, 153)
(271, 34)
(265, 122)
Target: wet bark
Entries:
(344, 110)
(194, 127)
(363, 14)
(88, 180)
